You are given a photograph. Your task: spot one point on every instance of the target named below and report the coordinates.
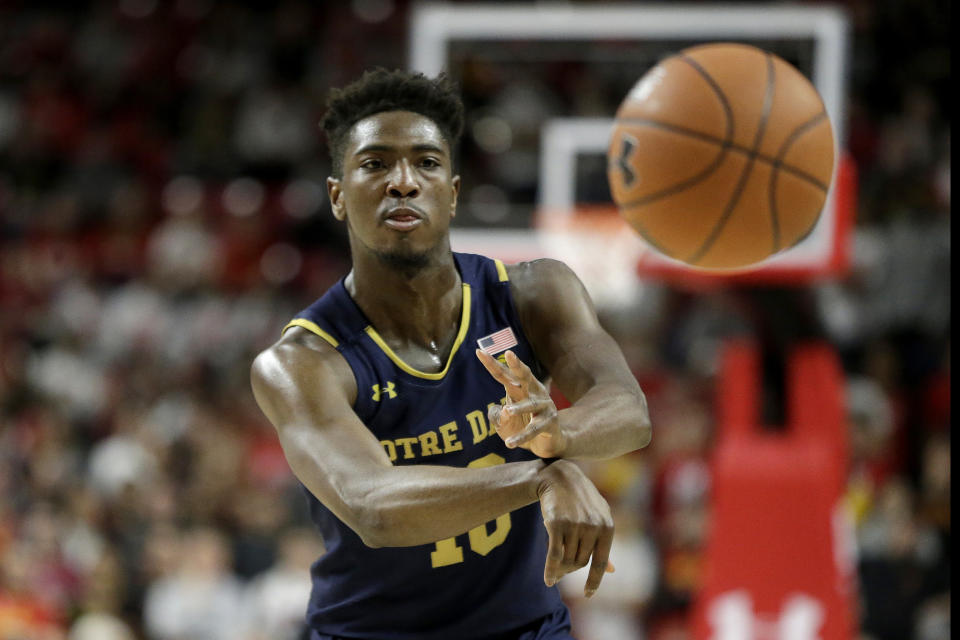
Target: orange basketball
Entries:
(721, 156)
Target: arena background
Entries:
(163, 213)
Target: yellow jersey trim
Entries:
(501, 270)
(461, 334)
(313, 328)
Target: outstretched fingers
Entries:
(570, 547)
(519, 368)
(530, 405)
(551, 569)
(601, 561)
(531, 431)
(500, 372)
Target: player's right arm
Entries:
(306, 389)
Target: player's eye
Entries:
(430, 163)
(372, 163)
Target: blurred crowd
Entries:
(163, 213)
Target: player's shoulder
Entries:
(543, 277)
(300, 353)
(543, 290)
(541, 271)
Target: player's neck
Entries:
(422, 307)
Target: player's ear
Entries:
(455, 184)
(336, 198)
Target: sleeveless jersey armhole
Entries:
(359, 374)
(312, 327)
(539, 369)
(501, 270)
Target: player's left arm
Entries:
(608, 416)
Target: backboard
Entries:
(562, 226)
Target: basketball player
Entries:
(437, 472)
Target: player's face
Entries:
(398, 192)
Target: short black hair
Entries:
(382, 90)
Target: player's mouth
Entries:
(403, 219)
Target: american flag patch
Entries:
(497, 342)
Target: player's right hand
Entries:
(579, 525)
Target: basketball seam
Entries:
(745, 174)
(716, 162)
(642, 230)
(689, 182)
(784, 148)
(717, 90)
(730, 146)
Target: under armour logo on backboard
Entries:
(732, 617)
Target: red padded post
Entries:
(777, 562)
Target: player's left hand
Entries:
(529, 419)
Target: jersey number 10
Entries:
(448, 552)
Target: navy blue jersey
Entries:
(480, 583)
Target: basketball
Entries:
(721, 156)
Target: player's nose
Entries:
(402, 181)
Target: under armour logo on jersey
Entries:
(389, 389)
